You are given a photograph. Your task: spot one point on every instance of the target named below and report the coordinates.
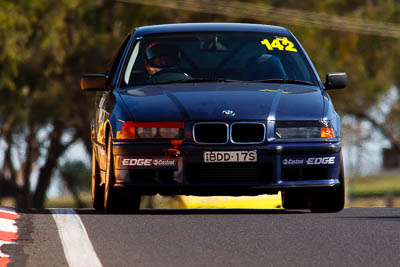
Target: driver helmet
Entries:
(161, 56)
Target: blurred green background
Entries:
(45, 46)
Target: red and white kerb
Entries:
(8, 232)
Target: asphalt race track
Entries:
(353, 237)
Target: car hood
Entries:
(206, 102)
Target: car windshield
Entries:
(216, 57)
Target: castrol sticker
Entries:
(309, 161)
(146, 162)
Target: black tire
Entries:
(294, 200)
(131, 202)
(111, 197)
(97, 189)
(117, 199)
(329, 199)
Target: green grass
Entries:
(68, 201)
(358, 188)
(374, 186)
(181, 202)
(157, 202)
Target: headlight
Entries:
(146, 132)
(151, 130)
(305, 129)
(169, 132)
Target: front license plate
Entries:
(230, 156)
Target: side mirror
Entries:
(335, 80)
(94, 82)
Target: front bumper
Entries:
(152, 169)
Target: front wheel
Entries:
(117, 199)
(97, 189)
(329, 199)
(294, 200)
(111, 198)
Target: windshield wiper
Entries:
(284, 81)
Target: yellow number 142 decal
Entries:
(280, 43)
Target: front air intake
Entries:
(248, 133)
(210, 133)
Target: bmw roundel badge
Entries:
(228, 112)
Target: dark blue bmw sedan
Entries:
(215, 109)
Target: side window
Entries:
(113, 66)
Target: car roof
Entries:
(210, 27)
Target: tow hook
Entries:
(174, 153)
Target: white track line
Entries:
(78, 249)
